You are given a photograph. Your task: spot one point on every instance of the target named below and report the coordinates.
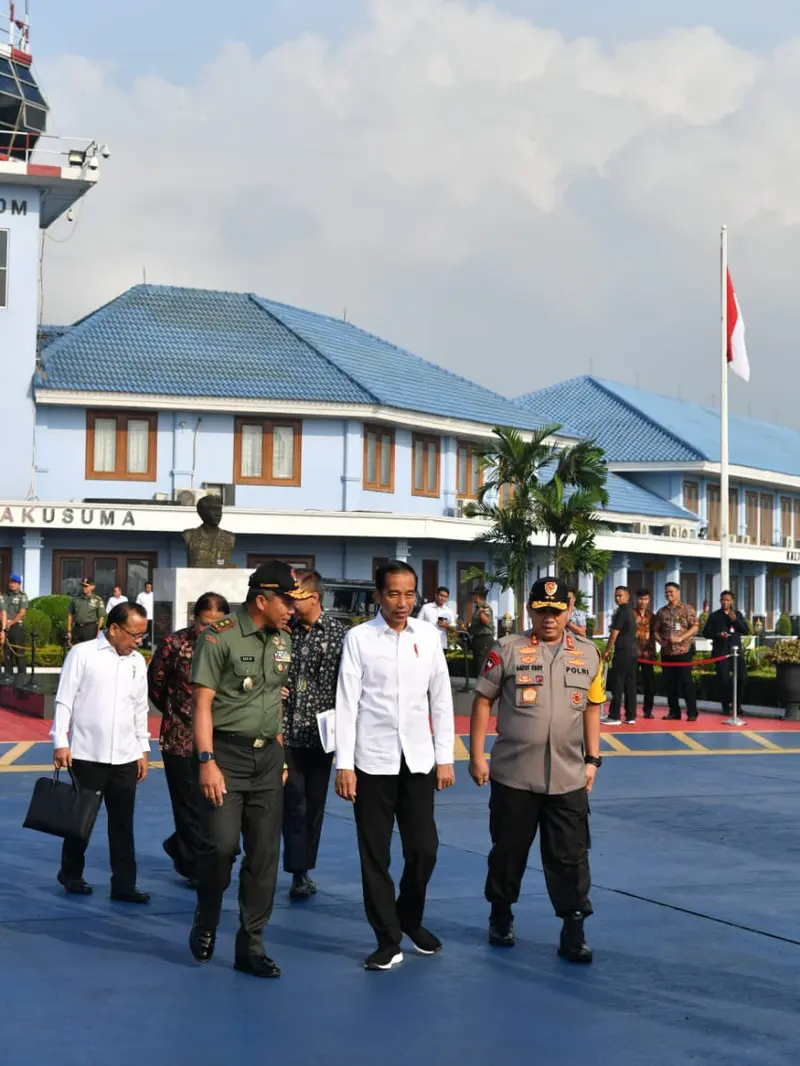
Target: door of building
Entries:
(130, 571)
(430, 579)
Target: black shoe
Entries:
(424, 941)
(302, 887)
(573, 946)
(76, 886)
(201, 942)
(501, 932)
(131, 895)
(384, 958)
(646, 715)
(256, 966)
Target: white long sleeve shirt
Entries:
(392, 688)
(101, 704)
(432, 612)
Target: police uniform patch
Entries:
(223, 624)
(283, 656)
(525, 679)
(570, 643)
(492, 660)
(529, 695)
(576, 699)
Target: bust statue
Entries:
(208, 545)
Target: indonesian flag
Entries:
(737, 352)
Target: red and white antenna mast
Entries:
(19, 33)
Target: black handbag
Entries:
(62, 809)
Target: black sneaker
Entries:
(257, 966)
(302, 887)
(384, 958)
(501, 932)
(573, 946)
(201, 942)
(425, 942)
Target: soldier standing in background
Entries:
(16, 607)
(481, 629)
(86, 614)
(548, 688)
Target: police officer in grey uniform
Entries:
(16, 606)
(239, 667)
(548, 688)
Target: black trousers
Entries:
(646, 674)
(252, 809)
(725, 682)
(563, 823)
(624, 683)
(679, 685)
(118, 785)
(380, 799)
(182, 774)
(15, 656)
(304, 798)
(84, 632)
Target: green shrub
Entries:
(784, 626)
(56, 608)
(38, 621)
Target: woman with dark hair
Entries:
(170, 691)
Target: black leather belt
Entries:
(241, 741)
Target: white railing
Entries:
(51, 150)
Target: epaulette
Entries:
(223, 624)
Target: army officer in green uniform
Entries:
(548, 688)
(86, 614)
(239, 667)
(16, 607)
(481, 629)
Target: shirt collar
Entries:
(380, 623)
(104, 644)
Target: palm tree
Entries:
(519, 500)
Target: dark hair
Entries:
(643, 592)
(726, 592)
(443, 588)
(395, 567)
(253, 594)
(310, 580)
(572, 590)
(121, 612)
(622, 588)
(672, 585)
(211, 601)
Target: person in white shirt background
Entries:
(100, 731)
(145, 599)
(439, 613)
(393, 684)
(115, 598)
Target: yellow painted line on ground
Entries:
(690, 742)
(10, 756)
(709, 751)
(762, 741)
(461, 750)
(30, 768)
(616, 744)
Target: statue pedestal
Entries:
(178, 588)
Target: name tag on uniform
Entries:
(247, 658)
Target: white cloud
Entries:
(502, 200)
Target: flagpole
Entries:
(724, 507)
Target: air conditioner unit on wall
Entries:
(642, 528)
(684, 534)
(225, 490)
(188, 497)
(674, 531)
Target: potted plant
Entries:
(785, 657)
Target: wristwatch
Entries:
(593, 760)
(205, 756)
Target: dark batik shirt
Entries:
(170, 690)
(313, 675)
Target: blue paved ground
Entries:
(682, 847)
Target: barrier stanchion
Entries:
(735, 719)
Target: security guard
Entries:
(549, 690)
(86, 614)
(239, 667)
(16, 606)
(481, 629)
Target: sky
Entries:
(520, 190)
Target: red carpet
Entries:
(19, 727)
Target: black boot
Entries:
(501, 928)
(573, 946)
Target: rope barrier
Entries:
(693, 662)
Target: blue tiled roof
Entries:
(194, 342)
(624, 497)
(633, 425)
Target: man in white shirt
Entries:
(439, 613)
(100, 730)
(393, 683)
(145, 599)
(115, 598)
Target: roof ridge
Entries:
(390, 344)
(77, 328)
(260, 301)
(600, 384)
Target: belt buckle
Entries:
(259, 742)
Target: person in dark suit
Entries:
(725, 629)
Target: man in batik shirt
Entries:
(317, 641)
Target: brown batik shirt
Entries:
(674, 620)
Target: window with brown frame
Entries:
(130, 571)
(267, 452)
(733, 512)
(378, 459)
(767, 537)
(691, 496)
(714, 516)
(469, 475)
(786, 520)
(425, 465)
(121, 446)
(5, 568)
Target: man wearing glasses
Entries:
(100, 731)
